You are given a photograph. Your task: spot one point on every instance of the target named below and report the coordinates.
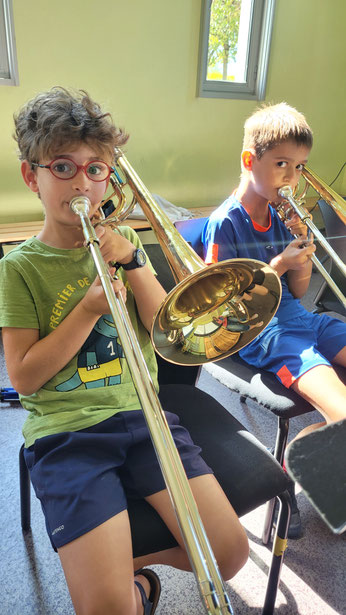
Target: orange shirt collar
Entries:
(257, 227)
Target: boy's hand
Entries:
(294, 257)
(95, 302)
(113, 246)
(296, 226)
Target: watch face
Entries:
(140, 258)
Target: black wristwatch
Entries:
(138, 260)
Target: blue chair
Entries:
(191, 231)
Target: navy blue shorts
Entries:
(292, 348)
(83, 478)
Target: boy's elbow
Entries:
(297, 294)
(26, 392)
(299, 290)
(23, 387)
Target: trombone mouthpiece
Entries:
(285, 192)
(80, 205)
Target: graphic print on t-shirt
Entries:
(98, 363)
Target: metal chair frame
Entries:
(325, 300)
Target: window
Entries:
(8, 57)
(234, 48)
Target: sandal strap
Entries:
(145, 601)
(149, 603)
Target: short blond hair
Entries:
(271, 125)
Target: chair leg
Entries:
(281, 440)
(24, 482)
(279, 547)
(279, 452)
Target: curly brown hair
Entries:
(59, 118)
(271, 125)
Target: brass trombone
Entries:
(339, 206)
(206, 316)
(225, 287)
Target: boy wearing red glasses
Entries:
(65, 359)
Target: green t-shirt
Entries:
(39, 286)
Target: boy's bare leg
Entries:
(322, 387)
(226, 535)
(98, 568)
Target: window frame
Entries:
(258, 56)
(8, 46)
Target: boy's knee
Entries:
(112, 603)
(234, 556)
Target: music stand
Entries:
(318, 463)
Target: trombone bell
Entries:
(211, 314)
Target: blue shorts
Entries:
(83, 478)
(292, 348)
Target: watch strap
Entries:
(135, 263)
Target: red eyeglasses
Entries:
(64, 168)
